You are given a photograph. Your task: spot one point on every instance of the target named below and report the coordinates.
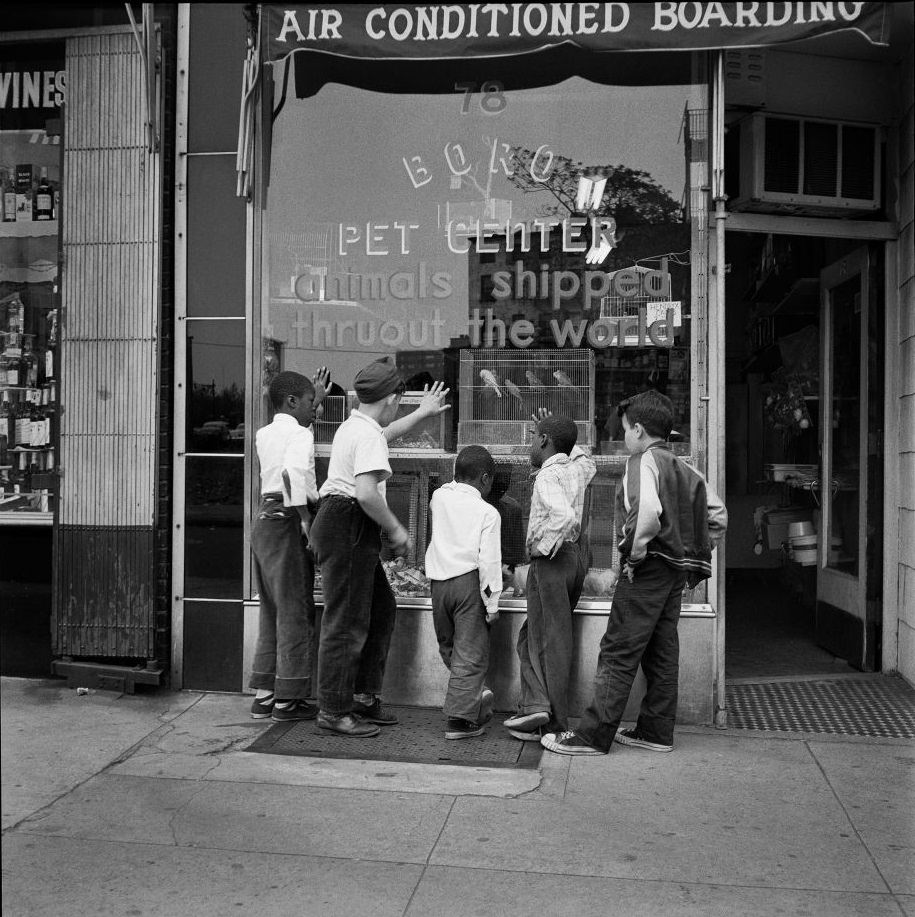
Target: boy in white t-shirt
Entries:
(359, 607)
(464, 562)
(281, 671)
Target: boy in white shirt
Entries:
(281, 671)
(464, 562)
(359, 606)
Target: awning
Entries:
(466, 30)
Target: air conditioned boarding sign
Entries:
(454, 30)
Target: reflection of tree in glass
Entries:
(209, 403)
(631, 196)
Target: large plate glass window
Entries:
(531, 245)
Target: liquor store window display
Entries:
(530, 245)
(30, 169)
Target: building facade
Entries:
(549, 211)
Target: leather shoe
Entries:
(374, 713)
(348, 725)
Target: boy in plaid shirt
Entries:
(556, 576)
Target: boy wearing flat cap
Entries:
(359, 607)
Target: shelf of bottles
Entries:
(28, 407)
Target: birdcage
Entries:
(501, 389)
(333, 415)
(430, 436)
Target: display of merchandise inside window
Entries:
(532, 247)
(30, 168)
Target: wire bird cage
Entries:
(501, 389)
(334, 414)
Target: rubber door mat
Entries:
(418, 738)
(881, 707)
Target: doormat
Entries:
(880, 707)
(418, 738)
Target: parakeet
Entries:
(513, 389)
(491, 381)
(563, 379)
(534, 381)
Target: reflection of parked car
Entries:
(217, 430)
(238, 432)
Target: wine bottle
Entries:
(9, 198)
(43, 201)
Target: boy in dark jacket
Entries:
(671, 521)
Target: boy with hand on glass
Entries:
(283, 567)
(359, 606)
(669, 521)
(464, 563)
(555, 578)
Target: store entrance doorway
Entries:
(803, 350)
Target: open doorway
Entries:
(797, 377)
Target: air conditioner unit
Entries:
(797, 165)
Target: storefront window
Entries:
(30, 169)
(530, 246)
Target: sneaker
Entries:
(347, 725)
(374, 713)
(636, 740)
(296, 711)
(527, 722)
(462, 729)
(567, 743)
(526, 736)
(261, 709)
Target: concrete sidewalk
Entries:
(135, 805)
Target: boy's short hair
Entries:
(472, 463)
(654, 411)
(288, 383)
(561, 430)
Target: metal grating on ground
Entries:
(881, 707)
(418, 738)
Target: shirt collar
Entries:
(560, 458)
(369, 420)
(281, 418)
(463, 488)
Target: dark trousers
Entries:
(545, 641)
(459, 616)
(642, 628)
(359, 607)
(284, 569)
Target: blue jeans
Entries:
(359, 607)
(459, 616)
(283, 567)
(545, 641)
(642, 628)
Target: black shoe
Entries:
(462, 729)
(296, 711)
(347, 725)
(567, 743)
(374, 713)
(634, 738)
(261, 709)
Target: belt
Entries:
(272, 496)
